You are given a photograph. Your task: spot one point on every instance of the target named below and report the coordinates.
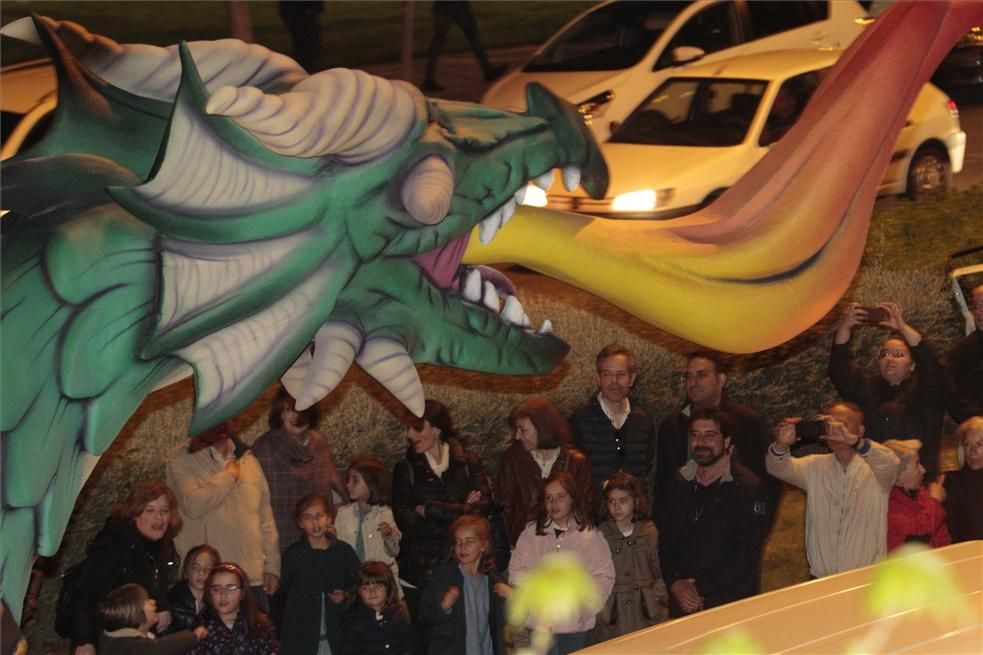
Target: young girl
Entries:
(367, 523)
(127, 614)
(465, 600)
(187, 596)
(236, 626)
(639, 598)
(378, 623)
(318, 570)
(564, 525)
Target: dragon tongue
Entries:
(440, 265)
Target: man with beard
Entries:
(615, 433)
(847, 491)
(703, 382)
(716, 520)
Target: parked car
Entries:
(962, 68)
(610, 57)
(28, 94)
(700, 131)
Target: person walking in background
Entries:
(639, 597)
(447, 13)
(367, 523)
(318, 574)
(914, 511)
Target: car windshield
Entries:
(694, 112)
(612, 37)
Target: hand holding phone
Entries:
(874, 315)
(810, 431)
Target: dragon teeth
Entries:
(571, 177)
(508, 210)
(490, 296)
(488, 228)
(520, 195)
(512, 310)
(544, 181)
(471, 290)
(545, 328)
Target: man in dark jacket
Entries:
(704, 381)
(715, 523)
(615, 433)
(964, 367)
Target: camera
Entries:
(810, 431)
(875, 315)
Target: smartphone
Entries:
(875, 315)
(810, 431)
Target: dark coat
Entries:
(120, 555)
(367, 634)
(222, 641)
(307, 574)
(910, 410)
(594, 434)
(426, 542)
(715, 536)
(750, 441)
(964, 377)
(964, 504)
(448, 634)
(175, 644)
(184, 616)
(520, 484)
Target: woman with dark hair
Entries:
(297, 461)
(905, 399)
(236, 625)
(436, 482)
(135, 546)
(542, 446)
(187, 596)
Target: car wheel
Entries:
(929, 173)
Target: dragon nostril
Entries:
(427, 191)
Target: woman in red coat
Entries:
(914, 511)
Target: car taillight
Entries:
(953, 109)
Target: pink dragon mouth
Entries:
(443, 268)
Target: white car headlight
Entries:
(535, 197)
(634, 201)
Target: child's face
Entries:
(468, 546)
(559, 503)
(373, 595)
(226, 594)
(356, 486)
(199, 570)
(315, 521)
(621, 504)
(150, 613)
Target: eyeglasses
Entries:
(218, 589)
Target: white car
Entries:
(28, 94)
(609, 58)
(699, 132)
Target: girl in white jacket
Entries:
(367, 523)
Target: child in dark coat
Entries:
(318, 574)
(127, 615)
(378, 623)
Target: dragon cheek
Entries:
(428, 189)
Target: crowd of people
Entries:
(279, 551)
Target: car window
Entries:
(713, 29)
(776, 16)
(694, 112)
(790, 101)
(612, 37)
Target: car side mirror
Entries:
(685, 54)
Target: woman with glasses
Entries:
(964, 488)
(541, 446)
(236, 626)
(905, 399)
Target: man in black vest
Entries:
(704, 381)
(615, 433)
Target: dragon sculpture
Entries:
(210, 208)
